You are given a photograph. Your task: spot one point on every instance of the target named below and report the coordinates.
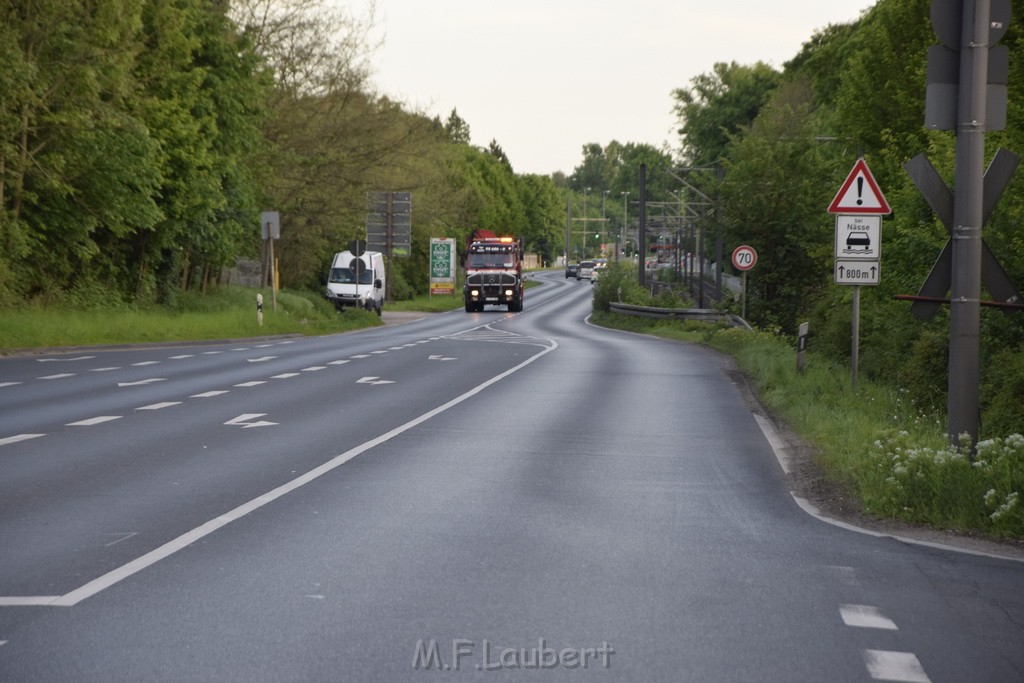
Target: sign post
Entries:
(859, 206)
(270, 229)
(442, 266)
(743, 259)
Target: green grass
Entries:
(226, 313)
(871, 441)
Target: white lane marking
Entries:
(285, 375)
(60, 376)
(146, 362)
(124, 537)
(396, 348)
(866, 616)
(260, 360)
(374, 380)
(62, 360)
(262, 346)
(209, 394)
(377, 352)
(254, 383)
(28, 601)
(116, 367)
(314, 368)
(114, 576)
(241, 348)
(19, 437)
(8, 384)
(212, 353)
(286, 342)
(439, 357)
(339, 362)
(362, 355)
(160, 406)
(142, 382)
(884, 665)
(183, 356)
(243, 421)
(781, 453)
(94, 421)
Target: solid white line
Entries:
(866, 616)
(96, 585)
(884, 665)
(19, 437)
(159, 406)
(30, 600)
(781, 453)
(94, 421)
(208, 394)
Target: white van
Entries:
(357, 281)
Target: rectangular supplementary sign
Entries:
(857, 272)
(858, 237)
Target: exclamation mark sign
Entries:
(860, 190)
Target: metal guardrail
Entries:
(699, 314)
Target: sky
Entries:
(543, 78)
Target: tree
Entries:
(718, 106)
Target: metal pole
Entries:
(642, 226)
(965, 306)
(855, 337)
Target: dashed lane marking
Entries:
(865, 616)
(884, 665)
(159, 406)
(94, 421)
(60, 376)
(209, 394)
(19, 437)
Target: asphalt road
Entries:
(474, 496)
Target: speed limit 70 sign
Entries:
(744, 257)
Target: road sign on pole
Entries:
(859, 193)
(744, 257)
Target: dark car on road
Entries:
(571, 269)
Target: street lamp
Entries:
(601, 229)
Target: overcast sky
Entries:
(545, 77)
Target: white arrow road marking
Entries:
(438, 357)
(243, 421)
(260, 360)
(374, 380)
(93, 421)
(208, 394)
(62, 360)
(19, 437)
(142, 382)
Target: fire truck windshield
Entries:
(490, 260)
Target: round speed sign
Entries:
(744, 257)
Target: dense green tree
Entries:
(719, 105)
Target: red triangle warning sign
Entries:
(859, 193)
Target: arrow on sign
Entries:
(374, 380)
(439, 357)
(243, 421)
(141, 382)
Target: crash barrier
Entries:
(698, 314)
